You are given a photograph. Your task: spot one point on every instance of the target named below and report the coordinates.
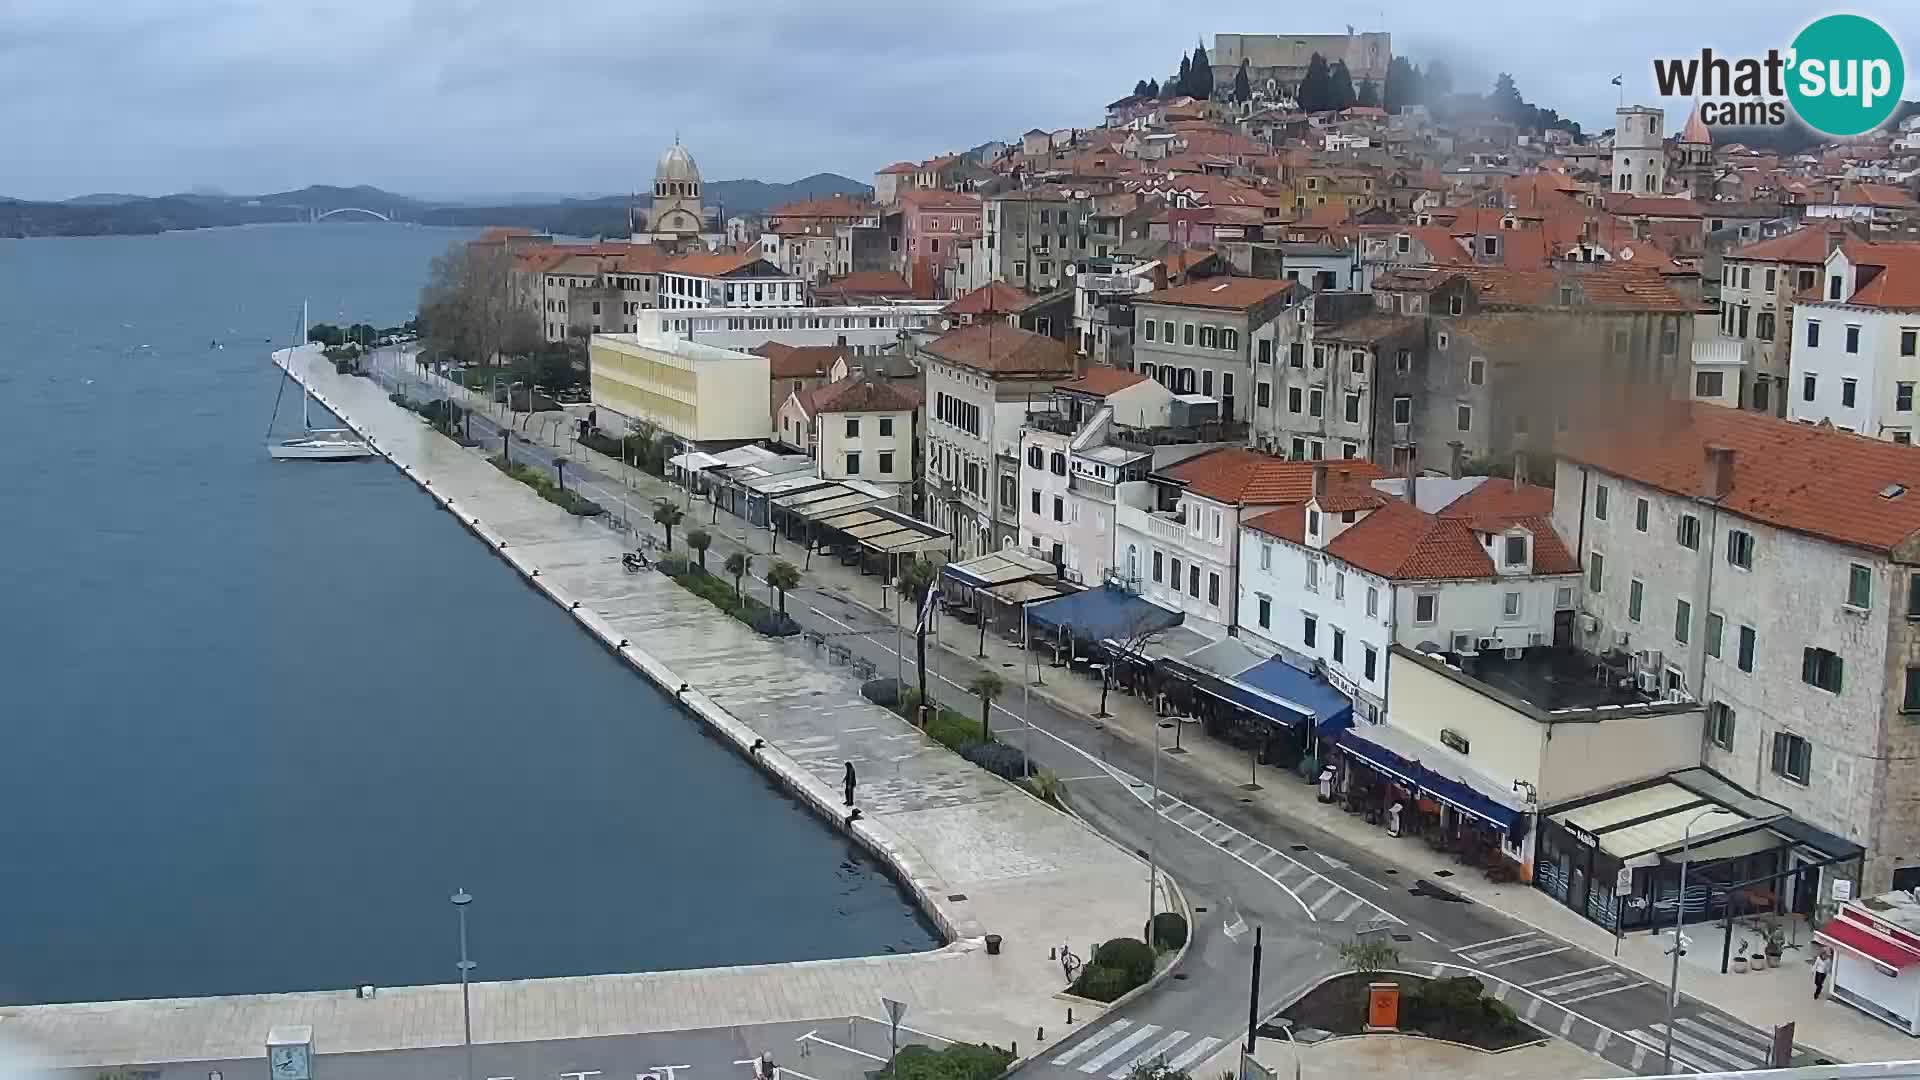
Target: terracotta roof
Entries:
(829, 206)
(993, 296)
(1897, 282)
(857, 394)
(998, 349)
(1654, 206)
(1223, 293)
(1368, 328)
(869, 283)
(1876, 195)
(925, 199)
(1101, 381)
(798, 361)
(1242, 477)
(717, 263)
(900, 167)
(1611, 285)
(1398, 541)
(1816, 480)
(1804, 245)
(1695, 131)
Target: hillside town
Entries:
(1529, 486)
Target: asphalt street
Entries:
(1241, 866)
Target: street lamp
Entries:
(460, 901)
(1286, 1025)
(1679, 912)
(1153, 837)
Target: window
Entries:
(1208, 337)
(1173, 579)
(853, 427)
(1266, 556)
(1358, 364)
(1339, 645)
(1403, 361)
(1266, 612)
(1746, 277)
(886, 462)
(1477, 371)
(1516, 554)
(1156, 566)
(1150, 330)
(1804, 281)
(1213, 589)
(1813, 333)
(1596, 571)
(1193, 580)
(1309, 630)
(1297, 355)
(1689, 532)
(1463, 417)
(1620, 341)
(1353, 408)
(1454, 305)
(1720, 725)
(1907, 342)
(1808, 387)
(1763, 326)
(1910, 699)
(1913, 596)
(1859, 587)
(1636, 592)
(1262, 395)
(1339, 585)
(1426, 608)
(1511, 606)
(1293, 402)
(1682, 621)
(1600, 502)
(1792, 756)
(886, 426)
(1166, 331)
(1833, 287)
(1707, 384)
(1740, 548)
(1563, 598)
(1316, 402)
(1848, 388)
(1057, 462)
(1033, 499)
(1770, 279)
(1716, 627)
(1749, 644)
(1369, 660)
(853, 463)
(1373, 602)
(1903, 397)
(1299, 447)
(1059, 508)
(1313, 570)
(1186, 333)
(1403, 410)
(1034, 456)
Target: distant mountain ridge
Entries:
(110, 213)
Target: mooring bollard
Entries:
(1040, 1034)
(1069, 1016)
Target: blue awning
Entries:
(1466, 799)
(1330, 709)
(1105, 612)
(1430, 769)
(1355, 742)
(1280, 712)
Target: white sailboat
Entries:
(317, 444)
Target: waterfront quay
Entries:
(980, 856)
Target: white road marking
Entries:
(1532, 1008)
(1632, 985)
(903, 1027)
(1529, 956)
(811, 1037)
(1168, 1042)
(1639, 1055)
(1331, 893)
(1566, 1025)
(1112, 1053)
(1349, 909)
(1762, 1041)
(1093, 1040)
(1200, 1048)
(1565, 975)
(1701, 1054)
(1600, 1043)
(1429, 937)
(1495, 941)
(1730, 1043)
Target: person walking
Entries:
(848, 783)
(1821, 961)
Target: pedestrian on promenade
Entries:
(848, 783)
(1821, 962)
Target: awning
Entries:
(1105, 612)
(1015, 593)
(1888, 955)
(998, 568)
(1693, 810)
(1262, 704)
(878, 529)
(1356, 742)
(1331, 710)
(1433, 770)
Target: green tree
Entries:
(1369, 96)
(783, 576)
(1184, 80)
(1403, 84)
(1437, 83)
(700, 540)
(1242, 85)
(917, 578)
(986, 686)
(1340, 93)
(1200, 74)
(1369, 956)
(1153, 88)
(667, 515)
(1140, 89)
(739, 564)
(1506, 102)
(1316, 87)
(1157, 1069)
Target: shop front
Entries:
(1275, 711)
(1417, 789)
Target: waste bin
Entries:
(993, 944)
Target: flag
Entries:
(1616, 79)
(927, 605)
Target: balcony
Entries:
(1718, 352)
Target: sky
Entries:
(449, 98)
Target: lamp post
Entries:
(1153, 837)
(1679, 913)
(1286, 1026)
(460, 901)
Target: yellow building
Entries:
(700, 394)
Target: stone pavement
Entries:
(1762, 999)
(981, 856)
(1402, 1057)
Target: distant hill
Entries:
(607, 215)
(100, 199)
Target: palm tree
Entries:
(986, 686)
(668, 515)
(560, 472)
(738, 564)
(783, 575)
(916, 578)
(700, 540)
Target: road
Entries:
(1241, 865)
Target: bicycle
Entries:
(1069, 964)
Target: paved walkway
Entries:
(1761, 999)
(1401, 1057)
(982, 856)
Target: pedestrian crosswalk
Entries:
(1585, 984)
(1707, 1043)
(1114, 1049)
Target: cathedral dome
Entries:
(676, 164)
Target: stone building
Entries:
(1277, 62)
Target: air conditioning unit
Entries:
(1589, 624)
(1536, 639)
(1515, 653)
(1648, 682)
(1488, 644)
(1402, 433)
(1463, 643)
(1649, 660)
(1621, 639)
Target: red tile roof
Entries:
(899, 167)
(717, 263)
(1885, 195)
(1654, 206)
(1223, 293)
(1497, 499)
(999, 349)
(1243, 477)
(993, 296)
(1398, 541)
(1896, 284)
(1806, 245)
(926, 199)
(856, 394)
(1101, 381)
(1809, 479)
(798, 361)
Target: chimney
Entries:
(1519, 468)
(1836, 236)
(1459, 463)
(1412, 500)
(1319, 480)
(1716, 480)
(1160, 274)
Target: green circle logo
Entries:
(1845, 75)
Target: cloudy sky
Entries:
(449, 97)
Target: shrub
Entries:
(1101, 983)
(1167, 930)
(952, 730)
(959, 1061)
(997, 758)
(883, 692)
(570, 501)
(1045, 785)
(771, 623)
(1367, 957)
(1130, 955)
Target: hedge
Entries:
(959, 1061)
(1167, 930)
(997, 758)
(572, 502)
(1118, 965)
(719, 592)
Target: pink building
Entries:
(934, 223)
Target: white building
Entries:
(702, 395)
(1639, 151)
(1178, 532)
(861, 428)
(860, 330)
(1856, 359)
(1467, 566)
(1769, 570)
(712, 279)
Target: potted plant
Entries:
(1776, 942)
(1740, 958)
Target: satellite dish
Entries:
(1626, 254)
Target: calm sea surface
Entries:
(259, 720)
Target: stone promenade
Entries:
(980, 856)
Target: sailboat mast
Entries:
(306, 396)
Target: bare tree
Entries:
(1143, 629)
(471, 308)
